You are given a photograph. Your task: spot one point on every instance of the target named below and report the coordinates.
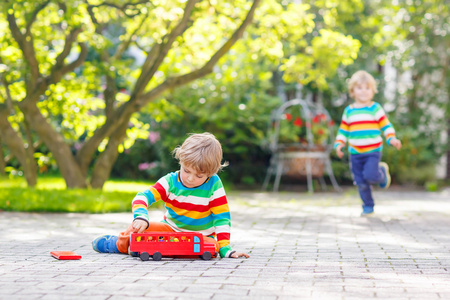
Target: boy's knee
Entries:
(363, 187)
(373, 177)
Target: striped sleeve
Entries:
(343, 132)
(221, 218)
(146, 198)
(385, 125)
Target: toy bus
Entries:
(159, 244)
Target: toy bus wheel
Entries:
(206, 256)
(157, 256)
(144, 256)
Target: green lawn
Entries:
(50, 195)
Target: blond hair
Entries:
(202, 152)
(359, 78)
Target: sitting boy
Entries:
(194, 199)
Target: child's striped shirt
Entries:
(202, 209)
(362, 128)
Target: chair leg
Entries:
(309, 176)
(267, 179)
(331, 175)
(323, 184)
(278, 176)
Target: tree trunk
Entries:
(106, 160)
(2, 158)
(55, 142)
(448, 150)
(16, 146)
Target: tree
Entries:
(418, 38)
(59, 59)
(235, 102)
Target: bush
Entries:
(51, 196)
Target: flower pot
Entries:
(295, 161)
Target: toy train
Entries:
(159, 244)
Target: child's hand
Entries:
(139, 226)
(239, 254)
(396, 143)
(339, 152)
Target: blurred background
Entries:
(93, 91)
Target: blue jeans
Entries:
(366, 172)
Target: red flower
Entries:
(288, 116)
(320, 131)
(298, 122)
(331, 123)
(316, 119)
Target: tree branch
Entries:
(206, 69)
(124, 46)
(123, 7)
(57, 73)
(9, 100)
(34, 16)
(157, 54)
(69, 40)
(98, 26)
(26, 46)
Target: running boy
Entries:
(362, 123)
(194, 199)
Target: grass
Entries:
(50, 195)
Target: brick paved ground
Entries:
(301, 246)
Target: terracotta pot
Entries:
(296, 167)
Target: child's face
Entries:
(190, 177)
(362, 93)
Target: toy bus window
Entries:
(139, 238)
(174, 239)
(161, 238)
(196, 245)
(150, 239)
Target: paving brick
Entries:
(301, 246)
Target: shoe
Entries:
(367, 212)
(387, 177)
(106, 244)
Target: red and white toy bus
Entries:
(159, 244)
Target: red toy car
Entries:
(159, 244)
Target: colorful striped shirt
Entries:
(201, 209)
(362, 128)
